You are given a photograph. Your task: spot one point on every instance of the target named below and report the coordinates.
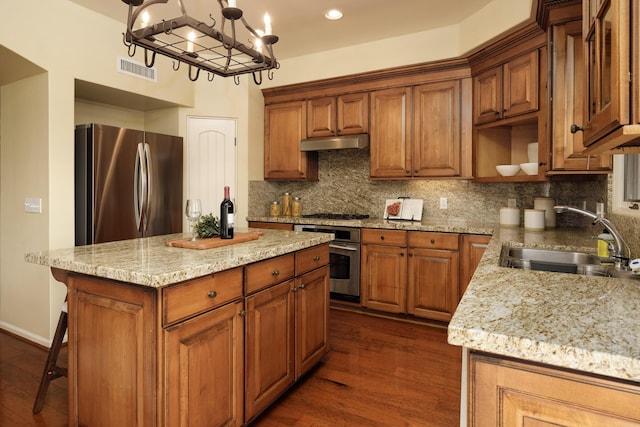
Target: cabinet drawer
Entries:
(433, 240)
(384, 237)
(199, 295)
(308, 259)
(269, 272)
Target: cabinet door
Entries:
(285, 126)
(204, 369)
(384, 278)
(353, 114)
(390, 135)
(112, 331)
(506, 393)
(321, 117)
(433, 283)
(607, 50)
(568, 102)
(487, 96)
(312, 319)
(270, 347)
(471, 251)
(436, 141)
(520, 85)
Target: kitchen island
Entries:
(163, 336)
(549, 346)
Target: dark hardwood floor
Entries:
(380, 372)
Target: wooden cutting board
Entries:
(215, 242)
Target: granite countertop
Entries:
(450, 226)
(150, 262)
(591, 324)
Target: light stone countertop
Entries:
(451, 226)
(150, 262)
(591, 324)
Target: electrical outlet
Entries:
(443, 203)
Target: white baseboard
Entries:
(45, 342)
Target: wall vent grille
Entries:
(137, 69)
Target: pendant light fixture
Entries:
(208, 44)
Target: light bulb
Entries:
(232, 3)
(267, 24)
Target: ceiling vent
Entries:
(137, 69)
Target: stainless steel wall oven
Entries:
(344, 253)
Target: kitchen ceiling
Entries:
(303, 30)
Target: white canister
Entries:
(534, 220)
(546, 204)
(509, 217)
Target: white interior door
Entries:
(211, 161)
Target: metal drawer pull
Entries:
(242, 313)
(302, 286)
(433, 241)
(276, 272)
(212, 294)
(316, 258)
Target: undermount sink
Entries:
(559, 261)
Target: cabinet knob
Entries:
(575, 128)
(381, 237)
(212, 294)
(316, 258)
(294, 289)
(242, 313)
(275, 272)
(433, 241)
(302, 286)
(402, 254)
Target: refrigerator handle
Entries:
(139, 187)
(149, 186)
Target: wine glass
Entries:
(193, 212)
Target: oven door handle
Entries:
(346, 248)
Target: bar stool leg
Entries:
(51, 371)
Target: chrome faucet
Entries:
(619, 250)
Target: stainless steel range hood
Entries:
(335, 142)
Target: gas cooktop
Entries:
(323, 215)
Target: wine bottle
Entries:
(226, 216)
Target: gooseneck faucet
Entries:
(619, 250)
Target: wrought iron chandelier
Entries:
(200, 44)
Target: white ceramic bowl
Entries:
(529, 168)
(508, 170)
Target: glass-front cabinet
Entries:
(611, 103)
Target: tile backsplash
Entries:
(344, 187)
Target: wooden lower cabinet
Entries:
(270, 346)
(433, 283)
(509, 393)
(271, 225)
(410, 272)
(205, 369)
(472, 247)
(287, 333)
(112, 357)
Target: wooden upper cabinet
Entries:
(421, 131)
(567, 108)
(436, 141)
(353, 114)
(321, 117)
(285, 126)
(390, 134)
(507, 90)
(342, 115)
(612, 102)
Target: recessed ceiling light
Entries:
(333, 14)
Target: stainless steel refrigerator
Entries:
(128, 184)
